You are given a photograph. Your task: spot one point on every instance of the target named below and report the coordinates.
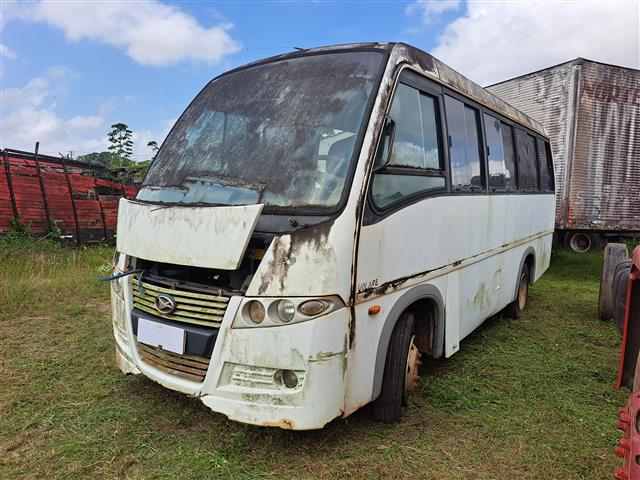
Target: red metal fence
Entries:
(40, 190)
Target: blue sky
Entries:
(69, 70)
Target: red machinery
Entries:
(629, 376)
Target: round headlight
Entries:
(255, 310)
(312, 308)
(285, 310)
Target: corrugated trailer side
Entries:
(605, 170)
(592, 115)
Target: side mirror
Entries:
(383, 157)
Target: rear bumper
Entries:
(243, 380)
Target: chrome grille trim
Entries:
(191, 307)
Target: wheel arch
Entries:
(417, 299)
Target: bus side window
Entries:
(416, 164)
(546, 166)
(499, 135)
(464, 145)
(527, 162)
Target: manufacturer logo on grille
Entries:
(165, 304)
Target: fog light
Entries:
(311, 308)
(288, 378)
(255, 310)
(285, 310)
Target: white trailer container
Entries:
(591, 112)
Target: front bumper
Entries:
(242, 377)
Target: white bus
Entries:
(319, 223)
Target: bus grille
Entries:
(190, 367)
(191, 307)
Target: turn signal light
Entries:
(311, 308)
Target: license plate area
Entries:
(166, 337)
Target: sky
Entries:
(69, 70)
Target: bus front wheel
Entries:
(516, 308)
(400, 377)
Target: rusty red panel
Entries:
(59, 200)
(28, 197)
(6, 207)
(95, 199)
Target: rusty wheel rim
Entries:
(522, 292)
(413, 366)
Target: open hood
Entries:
(210, 237)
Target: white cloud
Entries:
(29, 115)
(6, 52)
(494, 40)
(150, 32)
(427, 9)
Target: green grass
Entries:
(531, 398)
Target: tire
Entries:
(614, 253)
(387, 407)
(620, 288)
(579, 242)
(516, 308)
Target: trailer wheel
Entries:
(400, 376)
(517, 307)
(578, 242)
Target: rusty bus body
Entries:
(591, 112)
(371, 231)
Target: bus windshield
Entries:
(282, 134)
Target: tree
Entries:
(100, 159)
(120, 138)
(153, 145)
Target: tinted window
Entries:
(416, 137)
(546, 166)
(509, 156)
(527, 162)
(500, 154)
(416, 158)
(462, 123)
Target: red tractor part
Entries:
(631, 330)
(629, 376)
(629, 446)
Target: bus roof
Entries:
(402, 53)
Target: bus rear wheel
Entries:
(516, 308)
(401, 371)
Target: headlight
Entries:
(273, 312)
(285, 310)
(255, 311)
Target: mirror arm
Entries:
(392, 133)
(388, 131)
